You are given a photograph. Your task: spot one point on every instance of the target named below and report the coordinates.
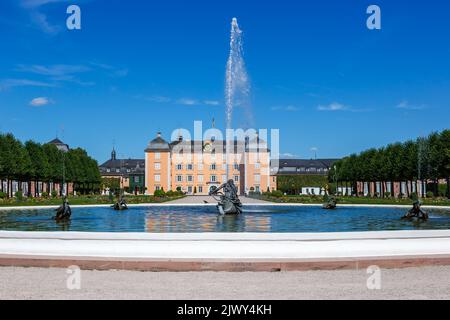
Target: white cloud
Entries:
(37, 3)
(57, 70)
(187, 101)
(159, 99)
(11, 83)
(333, 107)
(287, 155)
(112, 71)
(289, 108)
(40, 101)
(41, 21)
(211, 102)
(407, 106)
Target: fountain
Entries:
(237, 86)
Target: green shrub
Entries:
(44, 194)
(442, 190)
(2, 195)
(430, 194)
(387, 194)
(54, 194)
(19, 195)
(159, 193)
(276, 193)
(413, 196)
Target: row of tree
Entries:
(412, 163)
(44, 164)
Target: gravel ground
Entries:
(411, 283)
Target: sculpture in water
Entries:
(229, 202)
(64, 212)
(416, 213)
(330, 202)
(121, 203)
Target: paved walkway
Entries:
(208, 199)
(412, 283)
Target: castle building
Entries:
(196, 167)
(129, 172)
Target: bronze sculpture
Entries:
(229, 202)
(64, 212)
(416, 213)
(330, 202)
(121, 204)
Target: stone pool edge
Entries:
(224, 252)
(268, 204)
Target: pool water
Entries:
(205, 219)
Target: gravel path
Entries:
(412, 283)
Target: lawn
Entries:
(85, 200)
(353, 200)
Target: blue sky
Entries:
(138, 67)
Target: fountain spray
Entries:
(237, 84)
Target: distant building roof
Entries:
(60, 145)
(122, 167)
(158, 144)
(304, 166)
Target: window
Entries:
(200, 189)
(257, 178)
(189, 166)
(179, 178)
(257, 189)
(157, 178)
(200, 166)
(257, 165)
(157, 166)
(190, 178)
(108, 170)
(200, 178)
(189, 189)
(213, 166)
(136, 179)
(179, 167)
(157, 188)
(236, 166)
(213, 178)
(236, 178)
(224, 166)
(128, 170)
(157, 155)
(118, 170)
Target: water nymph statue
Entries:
(416, 213)
(64, 212)
(229, 202)
(121, 203)
(330, 202)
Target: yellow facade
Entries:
(195, 167)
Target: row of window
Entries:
(303, 169)
(213, 166)
(200, 166)
(200, 178)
